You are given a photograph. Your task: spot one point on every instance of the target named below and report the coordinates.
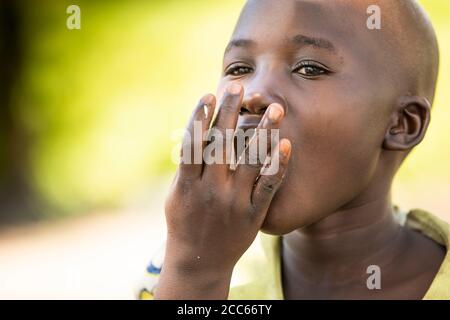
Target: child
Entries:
(350, 102)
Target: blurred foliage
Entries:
(100, 104)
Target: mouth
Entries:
(246, 125)
(248, 122)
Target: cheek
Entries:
(335, 154)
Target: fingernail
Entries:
(285, 147)
(208, 99)
(275, 113)
(234, 88)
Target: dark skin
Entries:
(349, 111)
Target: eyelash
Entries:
(317, 68)
(237, 68)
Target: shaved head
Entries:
(409, 34)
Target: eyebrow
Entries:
(320, 43)
(298, 40)
(240, 43)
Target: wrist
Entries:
(178, 282)
(194, 260)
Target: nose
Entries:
(254, 103)
(260, 91)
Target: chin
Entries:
(283, 217)
(278, 222)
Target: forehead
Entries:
(271, 22)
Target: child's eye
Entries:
(238, 70)
(311, 69)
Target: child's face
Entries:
(318, 60)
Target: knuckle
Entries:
(184, 185)
(226, 109)
(268, 188)
(270, 183)
(209, 196)
(227, 106)
(252, 209)
(229, 98)
(212, 197)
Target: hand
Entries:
(213, 213)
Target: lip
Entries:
(248, 122)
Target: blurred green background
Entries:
(89, 116)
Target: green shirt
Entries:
(258, 274)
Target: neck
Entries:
(338, 250)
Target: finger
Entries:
(269, 182)
(223, 130)
(191, 164)
(252, 159)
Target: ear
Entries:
(409, 123)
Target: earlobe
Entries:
(409, 123)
